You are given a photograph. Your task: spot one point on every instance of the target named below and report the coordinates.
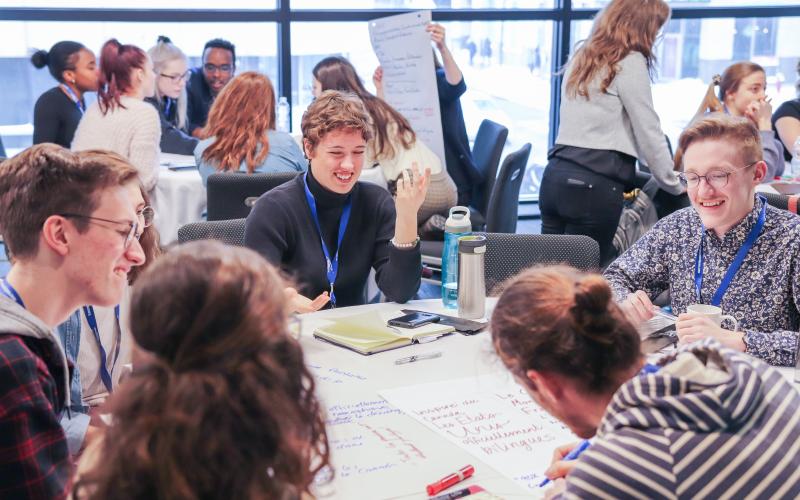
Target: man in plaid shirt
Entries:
(69, 222)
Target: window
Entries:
(143, 4)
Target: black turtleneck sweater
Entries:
(282, 229)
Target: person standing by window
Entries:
(172, 70)
(59, 110)
(206, 82)
(607, 122)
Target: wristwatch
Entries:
(404, 246)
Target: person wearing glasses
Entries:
(729, 249)
(120, 120)
(206, 82)
(69, 220)
(97, 342)
(172, 70)
(59, 110)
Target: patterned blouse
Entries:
(763, 296)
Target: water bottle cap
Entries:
(458, 221)
(472, 244)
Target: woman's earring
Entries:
(72, 81)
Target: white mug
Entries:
(714, 313)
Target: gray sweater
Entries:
(621, 119)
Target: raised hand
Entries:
(437, 35)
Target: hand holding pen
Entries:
(564, 460)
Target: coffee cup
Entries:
(714, 313)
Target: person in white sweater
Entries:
(607, 123)
(120, 120)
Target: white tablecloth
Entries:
(347, 380)
(179, 198)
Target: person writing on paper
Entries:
(450, 82)
(59, 110)
(607, 122)
(120, 120)
(223, 404)
(394, 145)
(241, 132)
(742, 88)
(326, 229)
(729, 249)
(705, 422)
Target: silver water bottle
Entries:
(471, 283)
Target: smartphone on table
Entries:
(413, 320)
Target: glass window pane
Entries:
(144, 4)
(518, 55)
(692, 51)
(592, 4)
(256, 49)
(423, 4)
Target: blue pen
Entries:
(572, 455)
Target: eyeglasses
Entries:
(176, 78)
(146, 214)
(716, 178)
(129, 235)
(212, 68)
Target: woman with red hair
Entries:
(241, 133)
(120, 120)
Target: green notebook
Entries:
(368, 333)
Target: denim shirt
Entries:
(75, 420)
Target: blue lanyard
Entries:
(735, 265)
(167, 106)
(332, 268)
(9, 291)
(105, 375)
(74, 98)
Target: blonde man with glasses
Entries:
(729, 249)
(70, 224)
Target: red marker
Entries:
(450, 480)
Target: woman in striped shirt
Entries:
(705, 422)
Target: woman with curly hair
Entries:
(223, 404)
(241, 135)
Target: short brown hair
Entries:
(46, 180)
(334, 110)
(225, 404)
(737, 130)
(560, 320)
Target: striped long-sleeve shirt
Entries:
(712, 423)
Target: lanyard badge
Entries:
(105, 373)
(332, 264)
(74, 98)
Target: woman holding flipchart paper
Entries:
(326, 229)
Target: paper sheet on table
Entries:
(490, 417)
(177, 161)
(403, 48)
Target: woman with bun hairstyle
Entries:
(222, 404)
(704, 422)
(172, 69)
(742, 92)
(59, 110)
(394, 145)
(120, 120)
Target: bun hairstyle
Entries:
(162, 53)
(61, 57)
(560, 320)
(117, 61)
(224, 402)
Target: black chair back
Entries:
(226, 231)
(782, 201)
(231, 195)
(502, 211)
(509, 254)
(486, 152)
